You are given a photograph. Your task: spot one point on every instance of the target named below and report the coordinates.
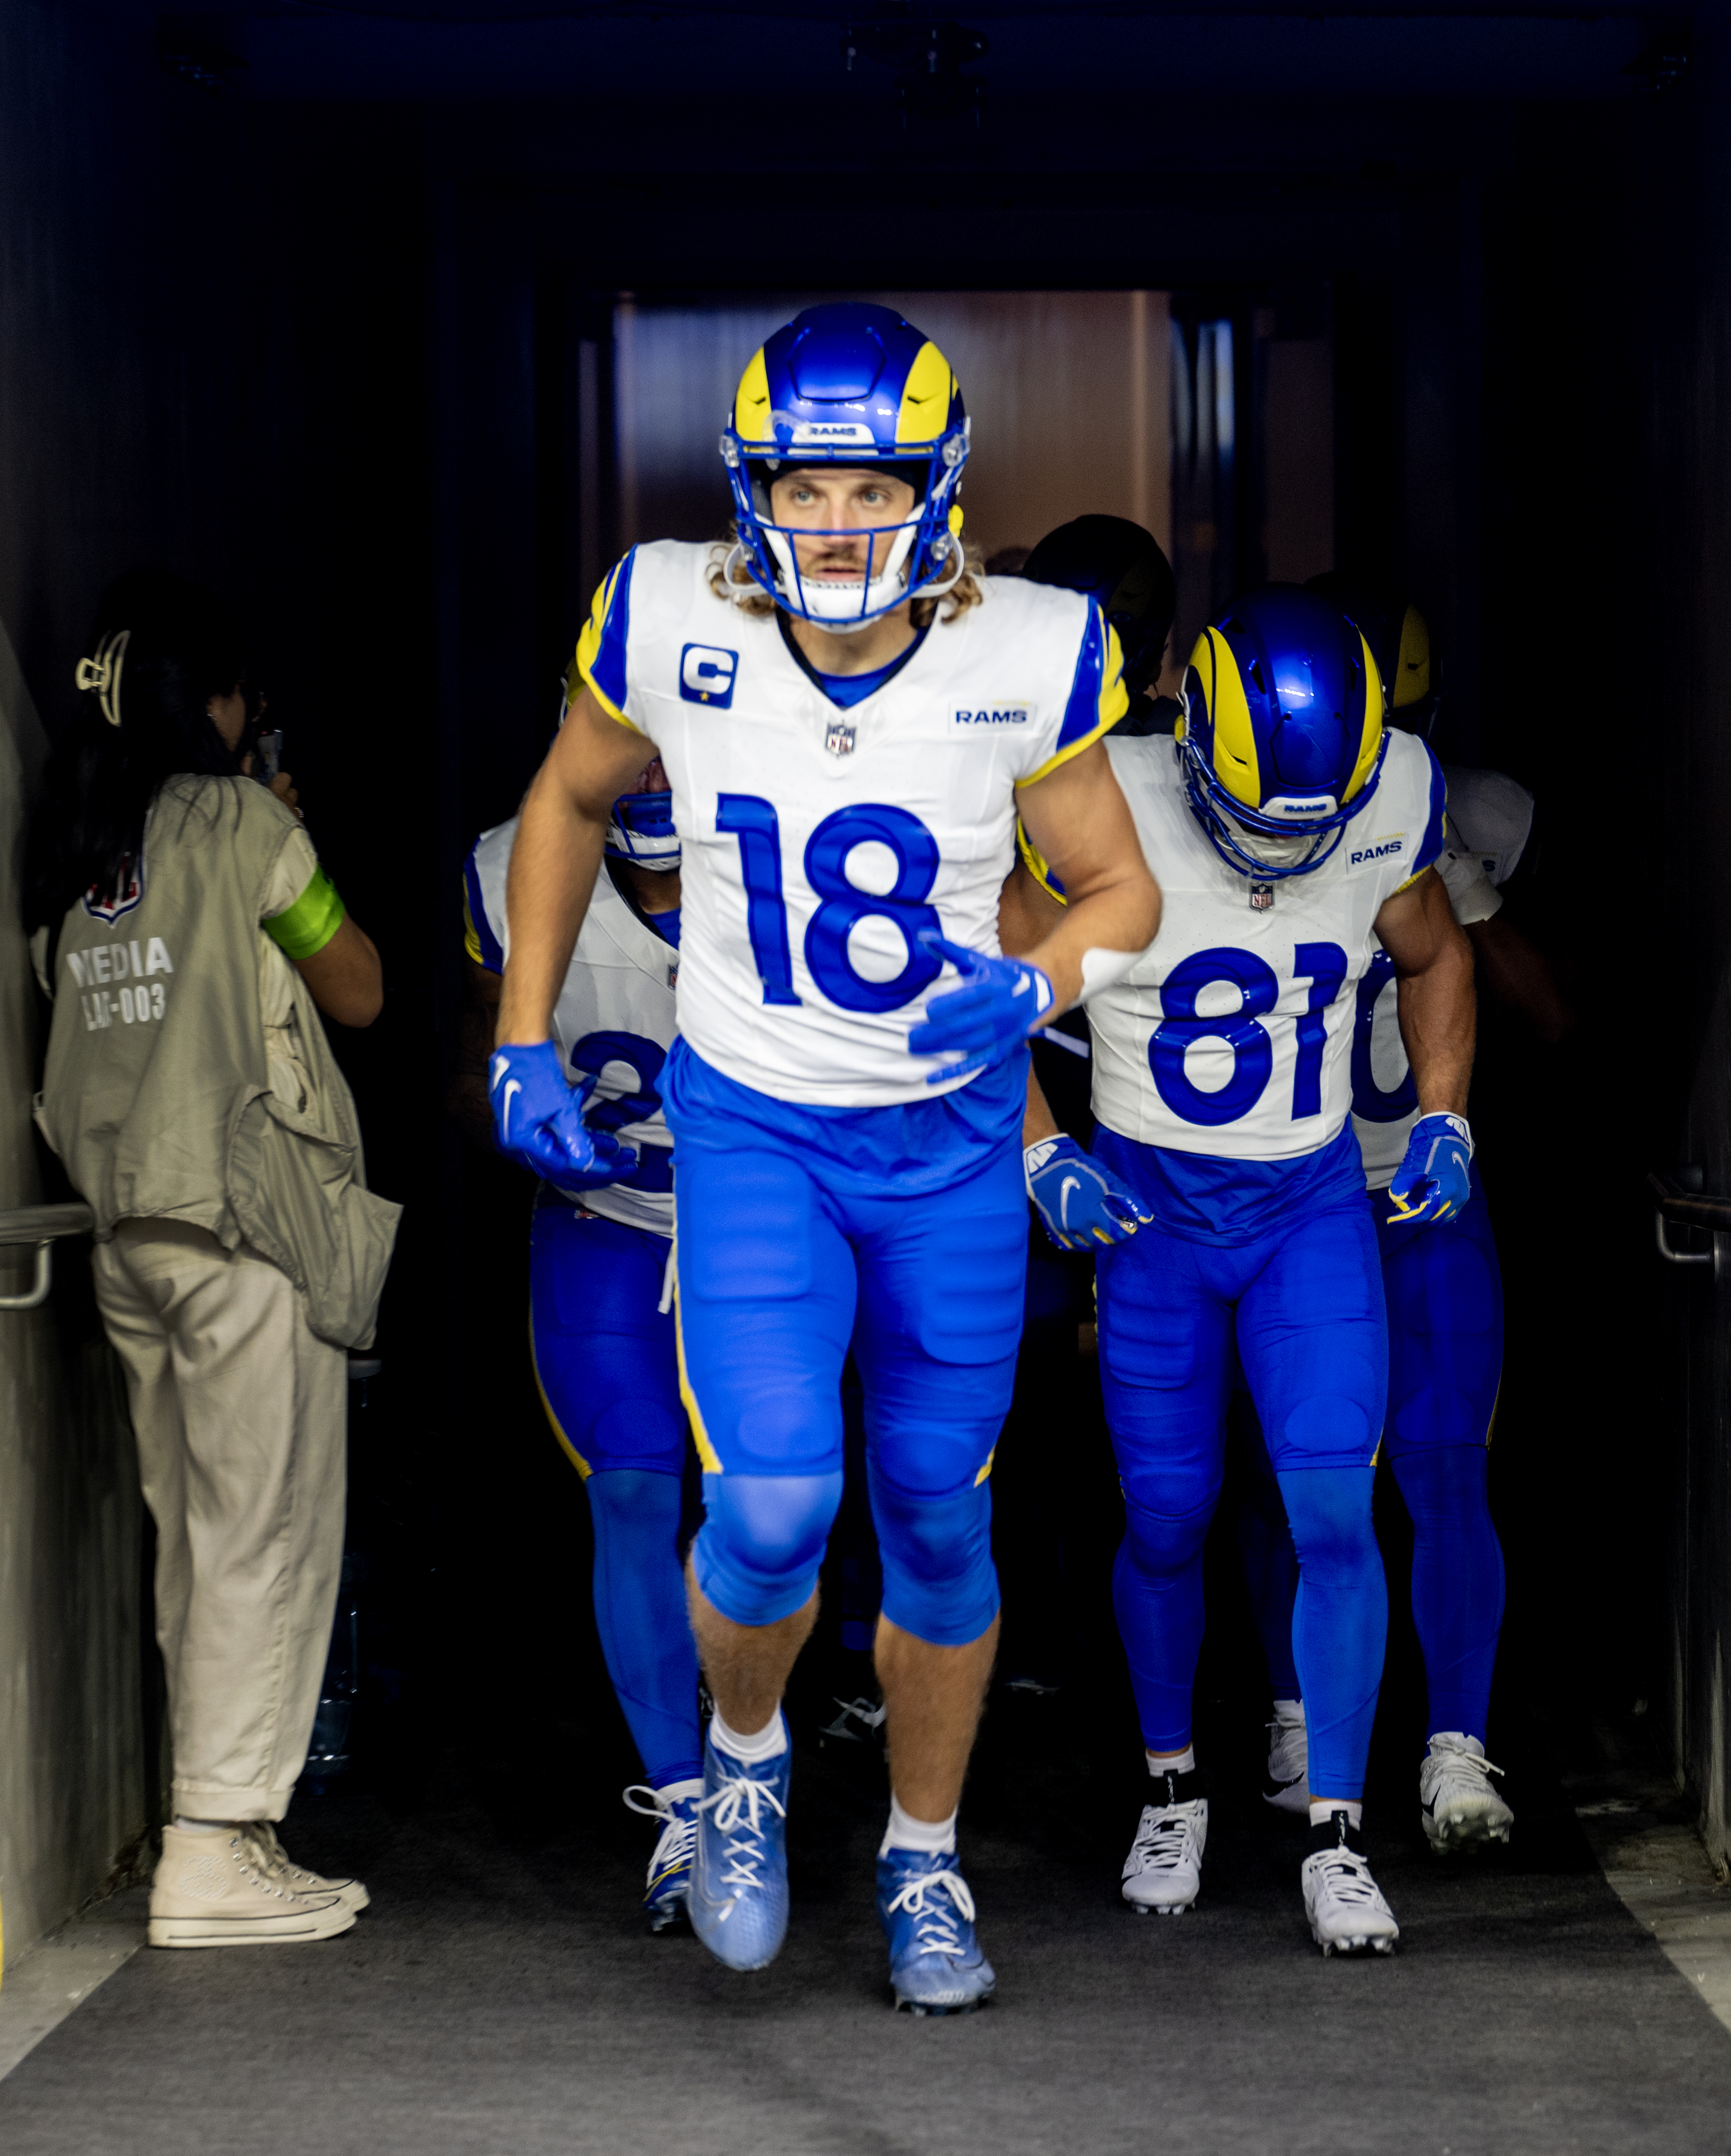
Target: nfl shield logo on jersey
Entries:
(1262, 897)
(839, 739)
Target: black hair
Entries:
(183, 646)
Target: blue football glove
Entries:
(999, 1003)
(538, 1121)
(1079, 1202)
(1434, 1181)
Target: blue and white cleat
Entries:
(936, 1966)
(670, 1871)
(739, 1898)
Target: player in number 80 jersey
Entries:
(600, 1323)
(1288, 826)
(850, 720)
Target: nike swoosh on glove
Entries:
(538, 1121)
(1434, 1181)
(999, 1004)
(1079, 1202)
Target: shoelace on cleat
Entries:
(740, 1797)
(678, 1837)
(1346, 1878)
(1160, 1839)
(1450, 1758)
(868, 1713)
(934, 1928)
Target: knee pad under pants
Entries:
(604, 1352)
(756, 1555)
(779, 1269)
(1445, 1296)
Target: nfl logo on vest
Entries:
(839, 739)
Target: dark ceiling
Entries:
(753, 63)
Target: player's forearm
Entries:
(1038, 1121)
(1117, 915)
(1439, 1024)
(553, 866)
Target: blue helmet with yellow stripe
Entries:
(853, 386)
(1282, 737)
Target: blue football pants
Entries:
(782, 1267)
(607, 1364)
(1304, 1308)
(1444, 1291)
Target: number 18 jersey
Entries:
(817, 843)
(1232, 1035)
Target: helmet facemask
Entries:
(848, 387)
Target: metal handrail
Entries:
(1690, 1209)
(42, 1226)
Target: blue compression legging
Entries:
(605, 1358)
(1444, 1301)
(1304, 1307)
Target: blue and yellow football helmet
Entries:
(1125, 568)
(851, 385)
(1282, 737)
(1400, 641)
(641, 830)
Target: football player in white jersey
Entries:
(1292, 829)
(1444, 1292)
(600, 1286)
(851, 722)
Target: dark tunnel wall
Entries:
(351, 363)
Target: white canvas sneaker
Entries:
(214, 1889)
(276, 1859)
(1457, 1803)
(1163, 1873)
(1287, 1787)
(1344, 1904)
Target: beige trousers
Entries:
(241, 1417)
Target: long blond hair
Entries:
(742, 589)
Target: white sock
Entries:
(1289, 1710)
(201, 1826)
(1323, 1809)
(933, 1837)
(1180, 1762)
(768, 1742)
(1474, 1745)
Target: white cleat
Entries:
(1287, 1787)
(1344, 1904)
(1163, 1873)
(1456, 1802)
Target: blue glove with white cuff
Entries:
(1434, 1181)
(538, 1121)
(1080, 1203)
(999, 1004)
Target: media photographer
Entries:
(189, 940)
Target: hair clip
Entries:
(103, 673)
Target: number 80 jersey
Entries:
(1232, 1035)
(816, 843)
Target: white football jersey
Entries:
(1490, 821)
(819, 842)
(614, 1019)
(1232, 1035)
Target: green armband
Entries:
(309, 924)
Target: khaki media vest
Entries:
(157, 1091)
